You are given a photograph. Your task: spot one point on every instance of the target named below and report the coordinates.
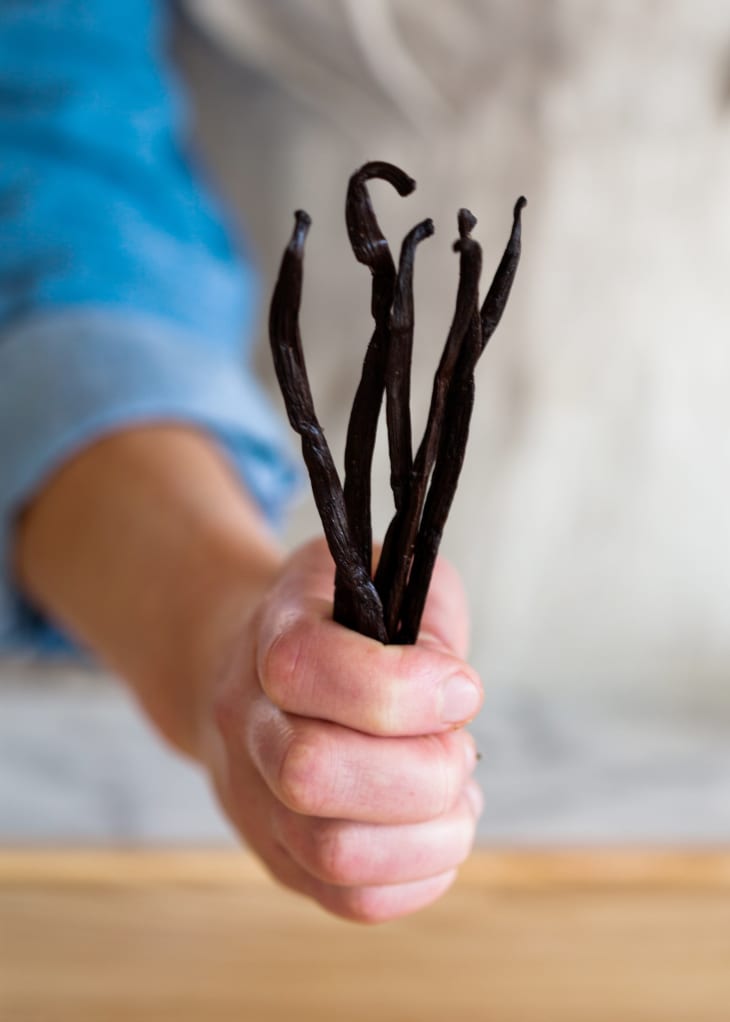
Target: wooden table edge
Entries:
(489, 869)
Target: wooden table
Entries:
(618, 936)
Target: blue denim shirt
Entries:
(122, 295)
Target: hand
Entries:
(342, 762)
(332, 754)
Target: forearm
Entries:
(147, 549)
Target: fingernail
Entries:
(460, 699)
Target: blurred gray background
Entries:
(591, 525)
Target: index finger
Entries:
(313, 667)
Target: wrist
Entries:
(146, 549)
(218, 620)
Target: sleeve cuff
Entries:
(69, 377)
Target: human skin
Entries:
(342, 763)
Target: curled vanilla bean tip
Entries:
(467, 222)
(370, 248)
(367, 240)
(425, 229)
(499, 290)
(303, 222)
(403, 183)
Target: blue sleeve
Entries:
(122, 297)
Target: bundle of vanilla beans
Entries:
(388, 605)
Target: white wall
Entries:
(591, 525)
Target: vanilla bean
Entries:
(444, 480)
(286, 346)
(370, 248)
(389, 609)
(499, 290)
(452, 445)
(398, 370)
(400, 538)
(398, 386)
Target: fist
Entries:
(343, 763)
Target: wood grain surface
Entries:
(581, 936)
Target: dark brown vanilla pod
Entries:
(398, 548)
(370, 248)
(398, 368)
(499, 290)
(286, 346)
(444, 480)
(391, 607)
(398, 416)
(455, 434)
(368, 242)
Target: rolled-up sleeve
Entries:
(122, 296)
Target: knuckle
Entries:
(335, 860)
(463, 841)
(226, 709)
(448, 759)
(391, 708)
(405, 668)
(385, 715)
(304, 773)
(364, 905)
(283, 664)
